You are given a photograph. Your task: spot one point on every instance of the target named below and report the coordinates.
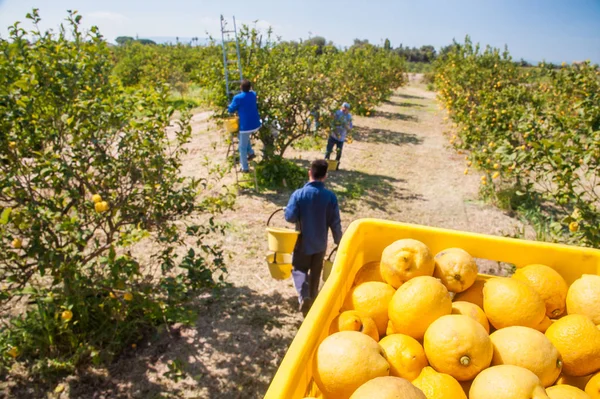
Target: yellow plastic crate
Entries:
(364, 242)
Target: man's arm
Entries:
(233, 106)
(291, 210)
(335, 221)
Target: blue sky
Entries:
(533, 29)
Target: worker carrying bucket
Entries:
(315, 210)
(342, 125)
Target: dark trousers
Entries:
(333, 142)
(306, 274)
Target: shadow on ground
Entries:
(404, 104)
(232, 352)
(409, 96)
(382, 136)
(396, 116)
(373, 191)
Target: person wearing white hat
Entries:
(342, 124)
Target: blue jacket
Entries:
(245, 105)
(315, 210)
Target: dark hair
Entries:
(318, 169)
(246, 85)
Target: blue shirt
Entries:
(315, 210)
(247, 109)
(341, 124)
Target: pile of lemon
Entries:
(418, 326)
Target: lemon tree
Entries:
(533, 132)
(88, 170)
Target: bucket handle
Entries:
(273, 214)
(332, 252)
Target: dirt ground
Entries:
(399, 167)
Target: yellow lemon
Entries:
(388, 388)
(128, 296)
(507, 382)
(549, 285)
(578, 341)
(573, 227)
(369, 272)
(96, 198)
(12, 145)
(473, 311)
(371, 299)
(13, 352)
(417, 304)
(592, 388)
(583, 297)
(474, 294)
(101, 206)
(456, 268)
(508, 302)
(459, 346)
(566, 392)
(17, 243)
(438, 385)
(351, 320)
(405, 355)
(66, 315)
(528, 348)
(405, 259)
(346, 360)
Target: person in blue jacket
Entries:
(246, 107)
(315, 210)
(342, 124)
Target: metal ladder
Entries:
(232, 87)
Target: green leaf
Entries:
(5, 215)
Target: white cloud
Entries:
(107, 16)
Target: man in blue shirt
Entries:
(342, 124)
(315, 210)
(247, 109)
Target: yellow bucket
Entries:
(332, 165)
(232, 125)
(280, 265)
(282, 240)
(328, 265)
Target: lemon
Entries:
(578, 341)
(459, 346)
(549, 285)
(101, 206)
(13, 352)
(573, 227)
(592, 388)
(566, 392)
(508, 302)
(351, 320)
(405, 259)
(473, 311)
(583, 297)
(346, 360)
(96, 198)
(128, 296)
(371, 299)
(473, 294)
(405, 355)
(527, 348)
(369, 272)
(388, 388)
(417, 304)
(456, 268)
(66, 315)
(438, 385)
(507, 382)
(17, 243)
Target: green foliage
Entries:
(536, 130)
(278, 172)
(92, 277)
